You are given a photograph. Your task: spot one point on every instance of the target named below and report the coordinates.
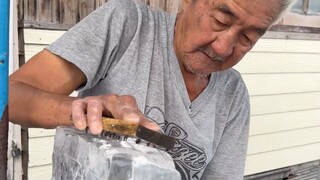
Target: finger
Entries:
(122, 107)
(110, 102)
(149, 124)
(131, 117)
(94, 113)
(125, 108)
(78, 114)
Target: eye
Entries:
(246, 39)
(221, 23)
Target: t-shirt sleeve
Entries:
(97, 42)
(229, 159)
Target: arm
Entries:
(38, 91)
(38, 97)
(81, 57)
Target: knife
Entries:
(129, 129)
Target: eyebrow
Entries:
(261, 31)
(225, 9)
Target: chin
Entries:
(201, 65)
(201, 71)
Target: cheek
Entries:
(232, 60)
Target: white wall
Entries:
(283, 78)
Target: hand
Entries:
(87, 112)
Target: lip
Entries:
(211, 55)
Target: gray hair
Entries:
(286, 5)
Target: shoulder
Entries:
(230, 74)
(230, 77)
(231, 85)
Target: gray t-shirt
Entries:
(126, 48)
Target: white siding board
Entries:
(272, 84)
(282, 158)
(40, 151)
(40, 173)
(31, 50)
(283, 140)
(271, 123)
(284, 103)
(287, 46)
(266, 62)
(37, 36)
(39, 132)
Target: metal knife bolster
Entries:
(135, 130)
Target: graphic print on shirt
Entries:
(189, 159)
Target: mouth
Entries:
(211, 54)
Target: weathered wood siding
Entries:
(283, 78)
(63, 14)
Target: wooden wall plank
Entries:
(282, 158)
(85, 8)
(283, 140)
(55, 11)
(271, 123)
(29, 10)
(98, 3)
(158, 4)
(145, 1)
(40, 151)
(284, 103)
(20, 10)
(69, 11)
(44, 10)
(270, 84)
(173, 5)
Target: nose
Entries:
(224, 44)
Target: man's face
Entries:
(213, 35)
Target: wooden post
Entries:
(4, 51)
(158, 4)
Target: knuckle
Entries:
(128, 99)
(77, 103)
(111, 96)
(91, 98)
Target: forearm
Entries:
(32, 107)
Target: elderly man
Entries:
(169, 72)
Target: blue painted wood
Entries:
(4, 53)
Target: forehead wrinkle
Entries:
(229, 9)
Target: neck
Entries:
(195, 84)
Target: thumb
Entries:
(140, 119)
(149, 124)
(131, 117)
